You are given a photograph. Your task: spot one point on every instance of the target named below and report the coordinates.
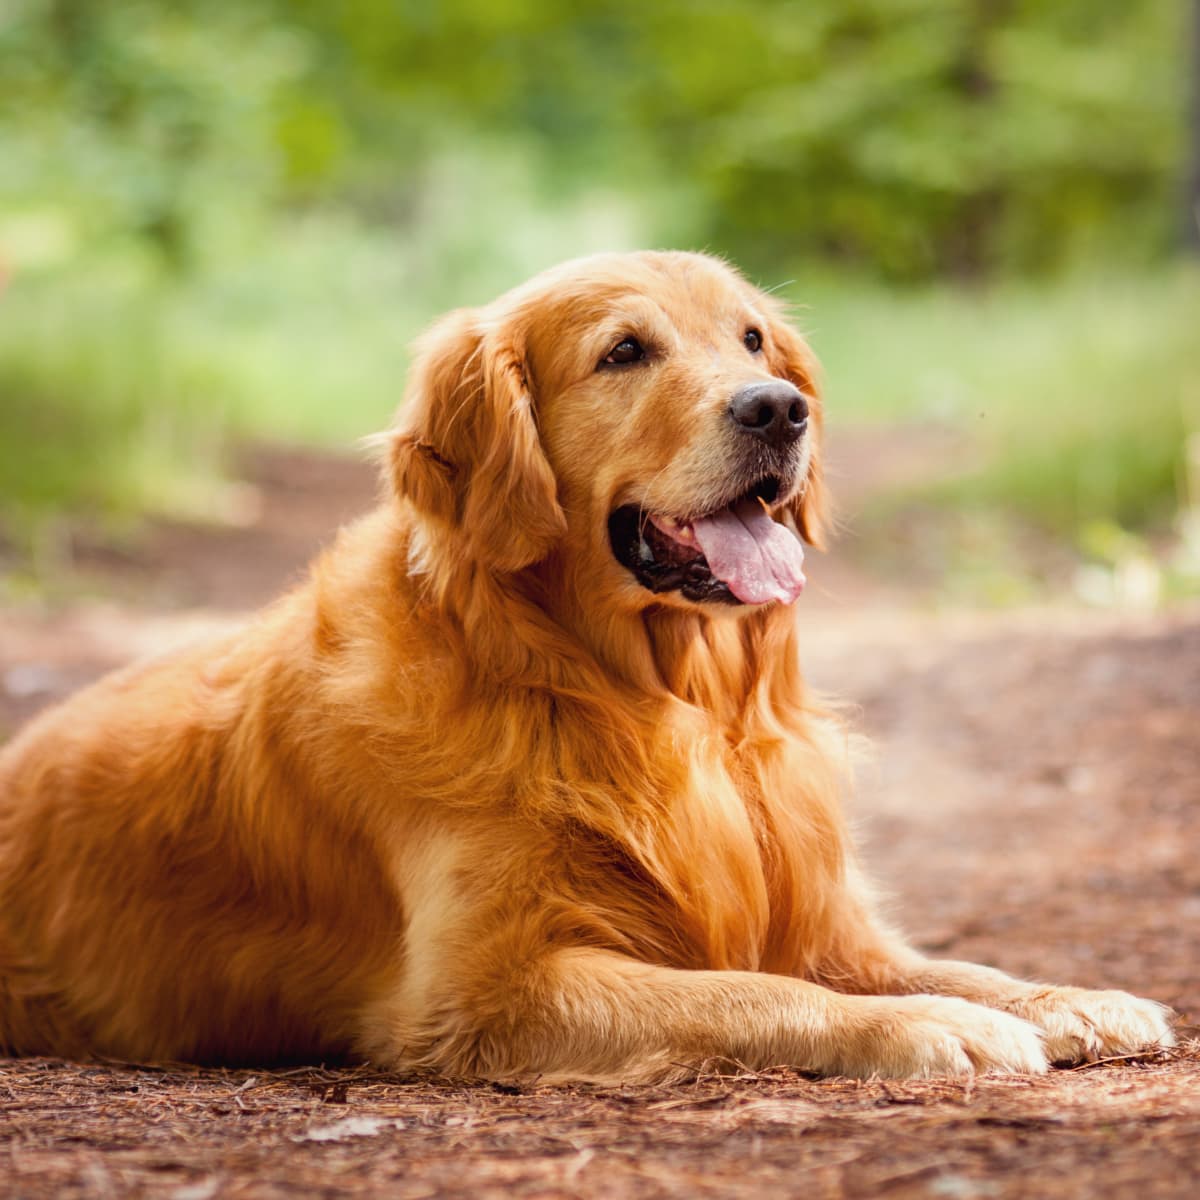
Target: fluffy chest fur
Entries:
(669, 787)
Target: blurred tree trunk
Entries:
(1191, 229)
(971, 246)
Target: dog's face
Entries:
(649, 417)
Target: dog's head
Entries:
(651, 419)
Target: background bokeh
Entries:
(223, 221)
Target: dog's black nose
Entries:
(774, 411)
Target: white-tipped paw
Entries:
(1083, 1026)
(921, 1037)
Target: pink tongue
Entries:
(758, 558)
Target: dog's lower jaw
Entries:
(631, 535)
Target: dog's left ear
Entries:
(470, 455)
(792, 359)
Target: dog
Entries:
(523, 779)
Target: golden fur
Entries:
(472, 798)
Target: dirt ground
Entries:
(1033, 801)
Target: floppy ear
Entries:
(792, 359)
(468, 452)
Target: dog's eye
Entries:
(627, 350)
(752, 340)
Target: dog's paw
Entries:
(1083, 1026)
(922, 1037)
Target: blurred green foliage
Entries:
(1076, 396)
(913, 137)
(226, 218)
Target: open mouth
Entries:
(737, 554)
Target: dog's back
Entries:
(178, 879)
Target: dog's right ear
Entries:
(468, 452)
(424, 467)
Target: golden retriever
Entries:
(524, 779)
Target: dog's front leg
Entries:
(597, 1015)
(1080, 1025)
